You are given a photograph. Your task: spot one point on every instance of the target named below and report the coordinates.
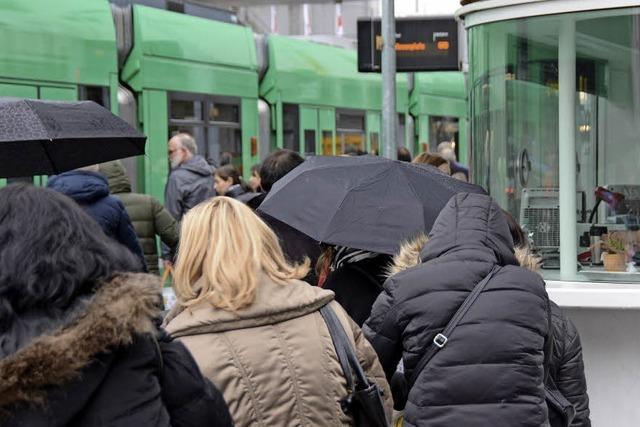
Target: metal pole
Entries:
(567, 149)
(389, 115)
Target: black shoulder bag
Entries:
(441, 339)
(364, 401)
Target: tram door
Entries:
(317, 130)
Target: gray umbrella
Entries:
(363, 202)
(49, 137)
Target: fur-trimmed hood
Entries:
(121, 309)
(409, 256)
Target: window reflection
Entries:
(217, 133)
(515, 127)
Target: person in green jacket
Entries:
(149, 217)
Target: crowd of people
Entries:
(85, 340)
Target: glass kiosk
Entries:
(555, 130)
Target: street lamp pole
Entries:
(389, 116)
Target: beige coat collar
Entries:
(274, 303)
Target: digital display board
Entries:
(422, 44)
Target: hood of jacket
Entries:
(198, 165)
(274, 303)
(409, 256)
(82, 186)
(118, 180)
(470, 222)
(121, 309)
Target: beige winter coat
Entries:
(274, 361)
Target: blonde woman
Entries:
(254, 328)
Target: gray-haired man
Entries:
(191, 180)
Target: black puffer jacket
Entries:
(490, 373)
(99, 364)
(566, 368)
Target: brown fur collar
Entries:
(409, 256)
(121, 309)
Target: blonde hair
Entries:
(225, 247)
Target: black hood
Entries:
(471, 221)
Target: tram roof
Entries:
(179, 52)
(439, 93)
(71, 41)
(304, 72)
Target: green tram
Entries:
(233, 90)
(320, 104)
(49, 53)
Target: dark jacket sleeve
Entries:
(126, 235)
(570, 378)
(190, 399)
(165, 225)
(383, 331)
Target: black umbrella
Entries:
(363, 202)
(49, 137)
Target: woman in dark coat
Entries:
(490, 372)
(355, 276)
(228, 182)
(79, 345)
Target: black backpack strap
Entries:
(340, 343)
(440, 340)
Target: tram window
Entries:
(374, 138)
(400, 136)
(350, 132)
(25, 179)
(219, 112)
(521, 125)
(443, 129)
(222, 139)
(290, 127)
(310, 142)
(350, 121)
(186, 110)
(350, 142)
(197, 132)
(97, 94)
(327, 142)
(214, 125)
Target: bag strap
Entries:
(344, 350)
(440, 340)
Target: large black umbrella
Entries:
(49, 137)
(363, 202)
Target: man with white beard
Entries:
(191, 178)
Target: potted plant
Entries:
(615, 257)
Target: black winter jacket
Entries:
(566, 368)
(91, 191)
(100, 365)
(357, 285)
(490, 373)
